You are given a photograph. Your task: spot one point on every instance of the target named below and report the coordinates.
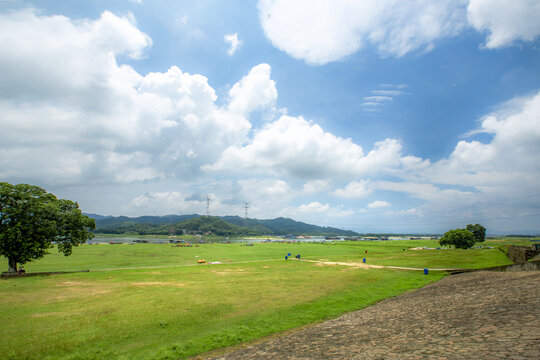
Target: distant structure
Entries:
(207, 204)
(246, 207)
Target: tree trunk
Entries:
(12, 265)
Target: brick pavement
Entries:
(478, 315)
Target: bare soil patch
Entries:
(74, 283)
(227, 271)
(351, 264)
(156, 283)
(54, 313)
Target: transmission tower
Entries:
(246, 207)
(207, 204)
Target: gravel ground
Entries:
(478, 315)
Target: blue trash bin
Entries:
(286, 257)
(364, 260)
(425, 271)
(289, 254)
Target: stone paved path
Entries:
(478, 315)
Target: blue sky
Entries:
(376, 116)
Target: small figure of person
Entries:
(21, 270)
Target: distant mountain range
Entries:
(220, 225)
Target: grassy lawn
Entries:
(183, 310)
(399, 253)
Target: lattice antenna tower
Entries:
(246, 207)
(207, 204)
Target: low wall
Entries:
(526, 266)
(521, 254)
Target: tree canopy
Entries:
(459, 238)
(478, 231)
(31, 219)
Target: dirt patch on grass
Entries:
(74, 283)
(227, 271)
(368, 266)
(96, 292)
(76, 291)
(351, 264)
(53, 313)
(157, 283)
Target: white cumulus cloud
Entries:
(234, 43)
(505, 21)
(495, 182)
(71, 114)
(298, 148)
(319, 212)
(254, 91)
(315, 206)
(355, 189)
(320, 31)
(511, 157)
(264, 188)
(378, 204)
(315, 186)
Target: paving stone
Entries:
(478, 315)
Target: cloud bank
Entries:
(72, 114)
(320, 31)
(505, 21)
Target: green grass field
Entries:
(158, 303)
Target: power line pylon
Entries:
(207, 204)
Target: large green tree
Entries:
(31, 219)
(478, 231)
(459, 238)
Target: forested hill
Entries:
(225, 226)
(285, 226)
